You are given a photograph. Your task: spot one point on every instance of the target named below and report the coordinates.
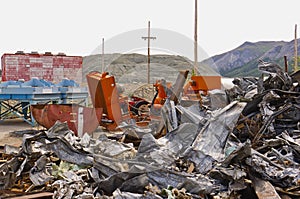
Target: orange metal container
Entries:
(80, 119)
(104, 94)
(201, 83)
(206, 83)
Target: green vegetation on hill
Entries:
(243, 60)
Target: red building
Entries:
(46, 66)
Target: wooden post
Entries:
(102, 64)
(196, 39)
(285, 64)
(148, 59)
(296, 50)
(148, 63)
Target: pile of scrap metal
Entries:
(248, 149)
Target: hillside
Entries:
(132, 68)
(243, 60)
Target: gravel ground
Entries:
(12, 125)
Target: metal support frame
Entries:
(21, 107)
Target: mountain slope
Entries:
(239, 62)
(243, 60)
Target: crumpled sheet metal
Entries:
(174, 144)
(108, 171)
(264, 189)
(279, 168)
(217, 99)
(136, 181)
(111, 148)
(40, 174)
(266, 136)
(209, 145)
(277, 78)
(38, 148)
(169, 115)
(8, 173)
(244, 88)
(282, 177)
(231, 153)
(117, 194)
(192, 114)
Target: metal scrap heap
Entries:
(248, 149)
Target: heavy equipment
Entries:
(198, 84)
(117, 108)
(111, 107)
(104, 94)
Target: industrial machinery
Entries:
(198, 84)
(117, 108)
(16, 97)
(111, 107)
(104, 94)
(162, 87)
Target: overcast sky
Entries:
(77, 27)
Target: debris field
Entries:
(249, 148)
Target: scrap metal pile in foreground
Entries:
(248, 149)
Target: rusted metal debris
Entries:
(248, 149)
(80, 119)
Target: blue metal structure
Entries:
(16, 96)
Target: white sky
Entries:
(76, 27)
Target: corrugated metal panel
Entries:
(49, 67)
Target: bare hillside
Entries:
(132, 68)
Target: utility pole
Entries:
(148, 38)
(196, 39)
(102, 60)
(296, 50)
(285, 64)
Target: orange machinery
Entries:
(104, 94)
(201, 83)
(161, 87)
(116, 108)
